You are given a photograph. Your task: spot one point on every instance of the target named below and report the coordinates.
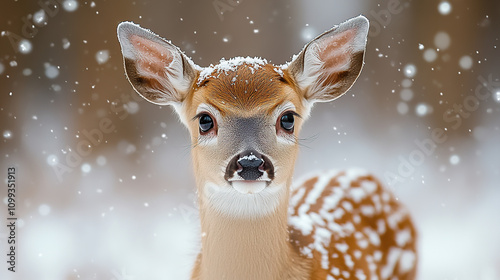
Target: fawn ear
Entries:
(330, 64)
(157, 70)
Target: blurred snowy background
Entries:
(124, 208)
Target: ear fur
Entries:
(157, 69)
(330, 64)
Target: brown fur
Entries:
(248, 95)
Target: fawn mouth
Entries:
(249, 172)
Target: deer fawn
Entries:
(244, 116)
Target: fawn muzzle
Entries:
(249, 166)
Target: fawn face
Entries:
(244, 115)
(245, 126)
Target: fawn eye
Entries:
(287, 122)
(206, 123)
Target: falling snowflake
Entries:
(454, 159)
(70, 5)
(410, 70)
(102, 56)
(25, 46)
(442, 40)
(444, 8)
(44, 209)
(465, 62)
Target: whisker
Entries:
(187, 148)
(310, 139)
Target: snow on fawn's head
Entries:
(244, 115)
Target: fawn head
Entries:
(244, 115)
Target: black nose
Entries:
(250, 165)
(250, 162)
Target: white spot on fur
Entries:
(392, 259)
(360, 274)
(367, 210)
(357, 194)
(342, 247)
(403, 237)
(348, 261)
(407, 261)
(372, 236)
(336, 271)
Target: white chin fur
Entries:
(249, 187)
(236, 201)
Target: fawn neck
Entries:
(251, 248)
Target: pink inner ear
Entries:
(152, 57)
(335, 51)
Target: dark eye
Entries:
(287, 122)
(206, 123)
